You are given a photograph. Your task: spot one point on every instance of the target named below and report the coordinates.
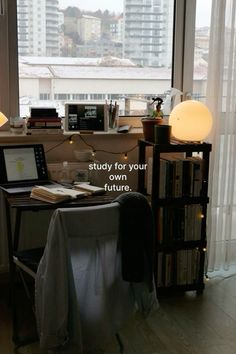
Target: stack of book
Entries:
(89, 189)
(55, 195)
(178, 268)
(61, 194)
(179, 176)
(179, 223)
(44, 121)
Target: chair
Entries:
(81, 298)
(26, 262)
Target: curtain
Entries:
(221, 90)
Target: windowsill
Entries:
(8, 136)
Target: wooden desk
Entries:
(23, 202)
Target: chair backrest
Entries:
(81, 298)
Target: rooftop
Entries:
(95, 68)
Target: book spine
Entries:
(168, 269)
(37, 123)
(44, 131)
(149, 176)
(44, 127)
(46, 119)
(160, 269)
(53, 116)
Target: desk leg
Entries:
(13, 246)
(15, 334)
(10, 247)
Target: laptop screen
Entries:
(22, 163)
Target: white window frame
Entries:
(182, 64)
(183, 46)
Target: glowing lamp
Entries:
(190, 120)
(3, 119)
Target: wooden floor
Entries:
(204, 324)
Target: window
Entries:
(44, 96)
(79, 97)
(121, 49)
(69, 53)
(62, 96)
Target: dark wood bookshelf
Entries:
(179, 261)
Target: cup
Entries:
(17, 125)
(162, 134)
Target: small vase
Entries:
(148, 128)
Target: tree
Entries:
(72, 11)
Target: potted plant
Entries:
(155, 118)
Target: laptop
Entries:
(22, 167)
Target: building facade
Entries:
(146, 34)
(89, 28)
(38, 27)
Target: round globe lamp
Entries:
(3, 119)
(190, 121)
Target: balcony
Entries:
(135, 4)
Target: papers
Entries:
(55, 195)
(94, 190)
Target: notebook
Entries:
(22, 167)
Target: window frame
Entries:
(182, 62)
(183, 46)
(9, 83)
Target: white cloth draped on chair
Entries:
(79, 288)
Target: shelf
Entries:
(178, 146)
(180, 289)
(175, 245)
(9, 137)
(181, 201)
(177, 218)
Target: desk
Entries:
(22, 203)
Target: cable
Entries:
(106, 151)
(61, 142)
(125, 153)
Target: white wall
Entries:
(29, 88)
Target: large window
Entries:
(87, 53)
(89, 50)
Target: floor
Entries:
(204, 324)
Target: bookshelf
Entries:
(176, 180)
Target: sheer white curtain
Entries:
(221, 100)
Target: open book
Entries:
(89, 189)
(55, 195)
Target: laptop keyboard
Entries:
(27, 186)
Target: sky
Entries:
(203, 7)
